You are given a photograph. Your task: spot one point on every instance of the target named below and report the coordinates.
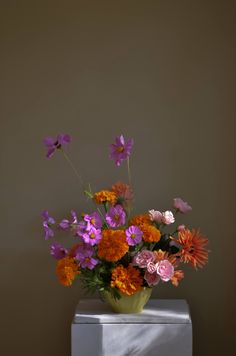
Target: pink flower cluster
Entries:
(162, 270)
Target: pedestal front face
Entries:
(164, 328)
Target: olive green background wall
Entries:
(162, 72)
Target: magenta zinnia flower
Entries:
(121, 150)
(58, 251)
(57, 143)
(92, 236)
(133, 235)
(48, 221)
(116, 216)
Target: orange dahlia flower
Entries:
(128, 280)
(105, 196)
(113, 245)
(193, 248)
(176, 278)
(67, 270)
(150, 233)
(140, 219)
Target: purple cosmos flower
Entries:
(81, 228)
(69, 224)
(121, 150)
(92, 236)
(54, 144)
(133, 235)
(48, 221)
(116, 216)
(84, 256)
(58, 251)
(94, 220)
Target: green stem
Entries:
(129, 173)
(73, 167)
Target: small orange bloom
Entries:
(178, 275)
(140, 219)
(128, 280)
(105, 196)
(67, 270)
(163, 255)
(113, 245)
(150, 233)
(193, 248)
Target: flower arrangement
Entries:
(115, 251)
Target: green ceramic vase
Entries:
(128, 304)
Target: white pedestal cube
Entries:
(164, 328)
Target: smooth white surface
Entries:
(163, 329)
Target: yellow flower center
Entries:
(93, 221)
(92, 235)
(120, 149)
(133, 236)
(87, 260)
(116, 217)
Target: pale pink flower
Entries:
(181, 228)
(143, 257)
(155, 216)
(181, 205)
(165, 270)
(151, 267)
(152, 279)
(168, 217)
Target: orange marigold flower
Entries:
(113, 245)
(140, 219)
(177, 276)
(67, 270)
(105, 196)
(128, 280)
(193, 248)
(150, 233)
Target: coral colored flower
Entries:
(133, 235)
(128, 280)
(177, 277)
(58, 251)
(155, 216)
(66, 224)
(94, 220)
(113, 245)
(193, 248)
(152, 279)
(84, 256)
(150, 233)
(181, 228)
(168, 218)
(181, 205)
(116, 216)
(140, 219)
(142, 258)
(105, 196)
(121, 150)
(124, 193)
(151, 267)
(92, 236)
(67, 269)
(54, 144)
(48, 221)
(165, 270)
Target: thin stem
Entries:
(73, 167)
(129, 173)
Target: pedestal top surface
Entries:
(156, 311)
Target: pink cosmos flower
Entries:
(53, 144)
(58, 251)
(84, 256)
(181, 228)
(94, 220)
(152, 279)
(181, 205)
(92, 236)
(165, 270)
(151, 267)
(142, 258)
(168, 217)
(121, 150)
(116, 216)
(133, 235)
(66, 224)
(48, 222)
(155, 216)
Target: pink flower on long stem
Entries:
(181, 206)
(121, 150)
(53, 144)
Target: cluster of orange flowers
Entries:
(105, 196)
(127, 280)
(67, 270)
(113, 245)
(150, 232)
